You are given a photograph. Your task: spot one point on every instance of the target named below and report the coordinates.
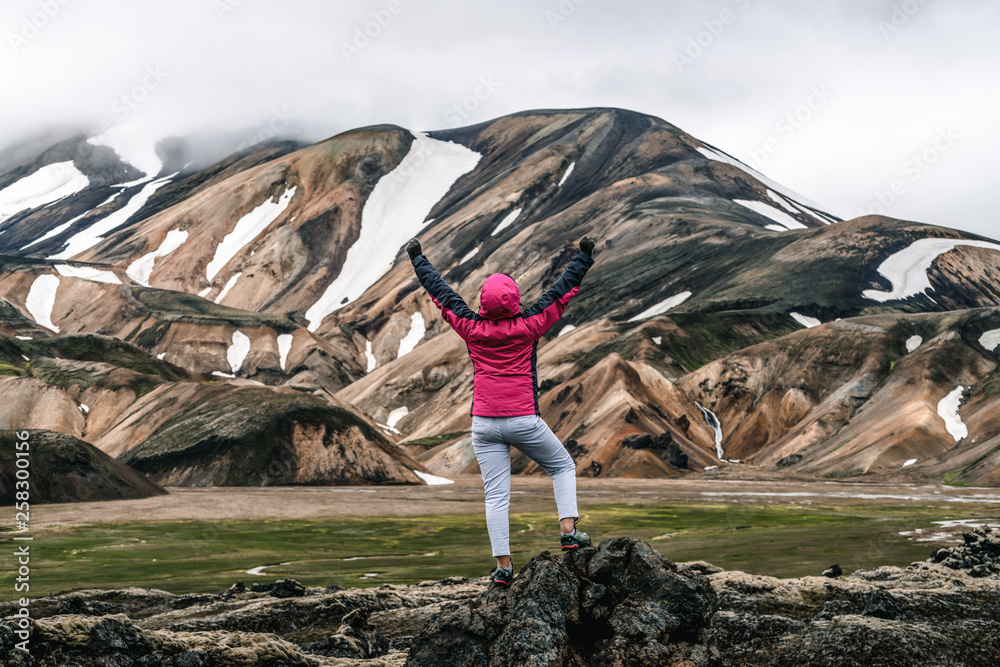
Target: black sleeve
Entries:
(571, 278)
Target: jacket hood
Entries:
(500, 298)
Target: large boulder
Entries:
(621, 603)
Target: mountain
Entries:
(65, 469)
(728, 324)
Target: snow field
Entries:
(417, 330)
(41, 300)
(805, 320)
(569, 170)
(990, 339)
(469, 255)
(369, 357)
(284, 347)
(913, 342)
(94, 234)
(49, 184)
(947, 409)
(662, 307)
(786, 221)
(88, 273)
(719, 156)
(141, 269)
(237, 353)
(228, 286)
(246, 229)
(59, 229)
(907, 269)
(432, 480)
(132, 147)
(507, 221)
(394, 213)
(565, 330)
(396, 415)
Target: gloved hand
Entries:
(587, 245)
(413, 248)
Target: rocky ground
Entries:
(620, 603)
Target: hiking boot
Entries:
(502, 577)
(575, 540)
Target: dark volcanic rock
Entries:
(620, 603)
(979, 554)
(789, 460)
(664, 446)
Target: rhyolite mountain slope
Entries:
(700, 325)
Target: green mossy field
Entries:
(195, 556)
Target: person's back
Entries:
(502, 341)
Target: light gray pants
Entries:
(492, 438)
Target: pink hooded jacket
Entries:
(502, 339)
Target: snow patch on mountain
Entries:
(369, 357)
(88, 273)
(228, 286)
(947, 409)
(142, 269)
(507, 221)
(719, 156)
(990, 339)
(417, 330)
(246, 229)
(237, 353)
(907, 269)
(50, 183)
(59, 229)
(395, 211)
(805, 320)
(768, 211)
(565, 330)
(913, 342)
(396, 415)
(41, 300)
(94, 234)
(662, 307)
(133, 147)
(469, 255)
(284, 347)
(569, 170)
(432, 480)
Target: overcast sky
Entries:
(843, 102)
